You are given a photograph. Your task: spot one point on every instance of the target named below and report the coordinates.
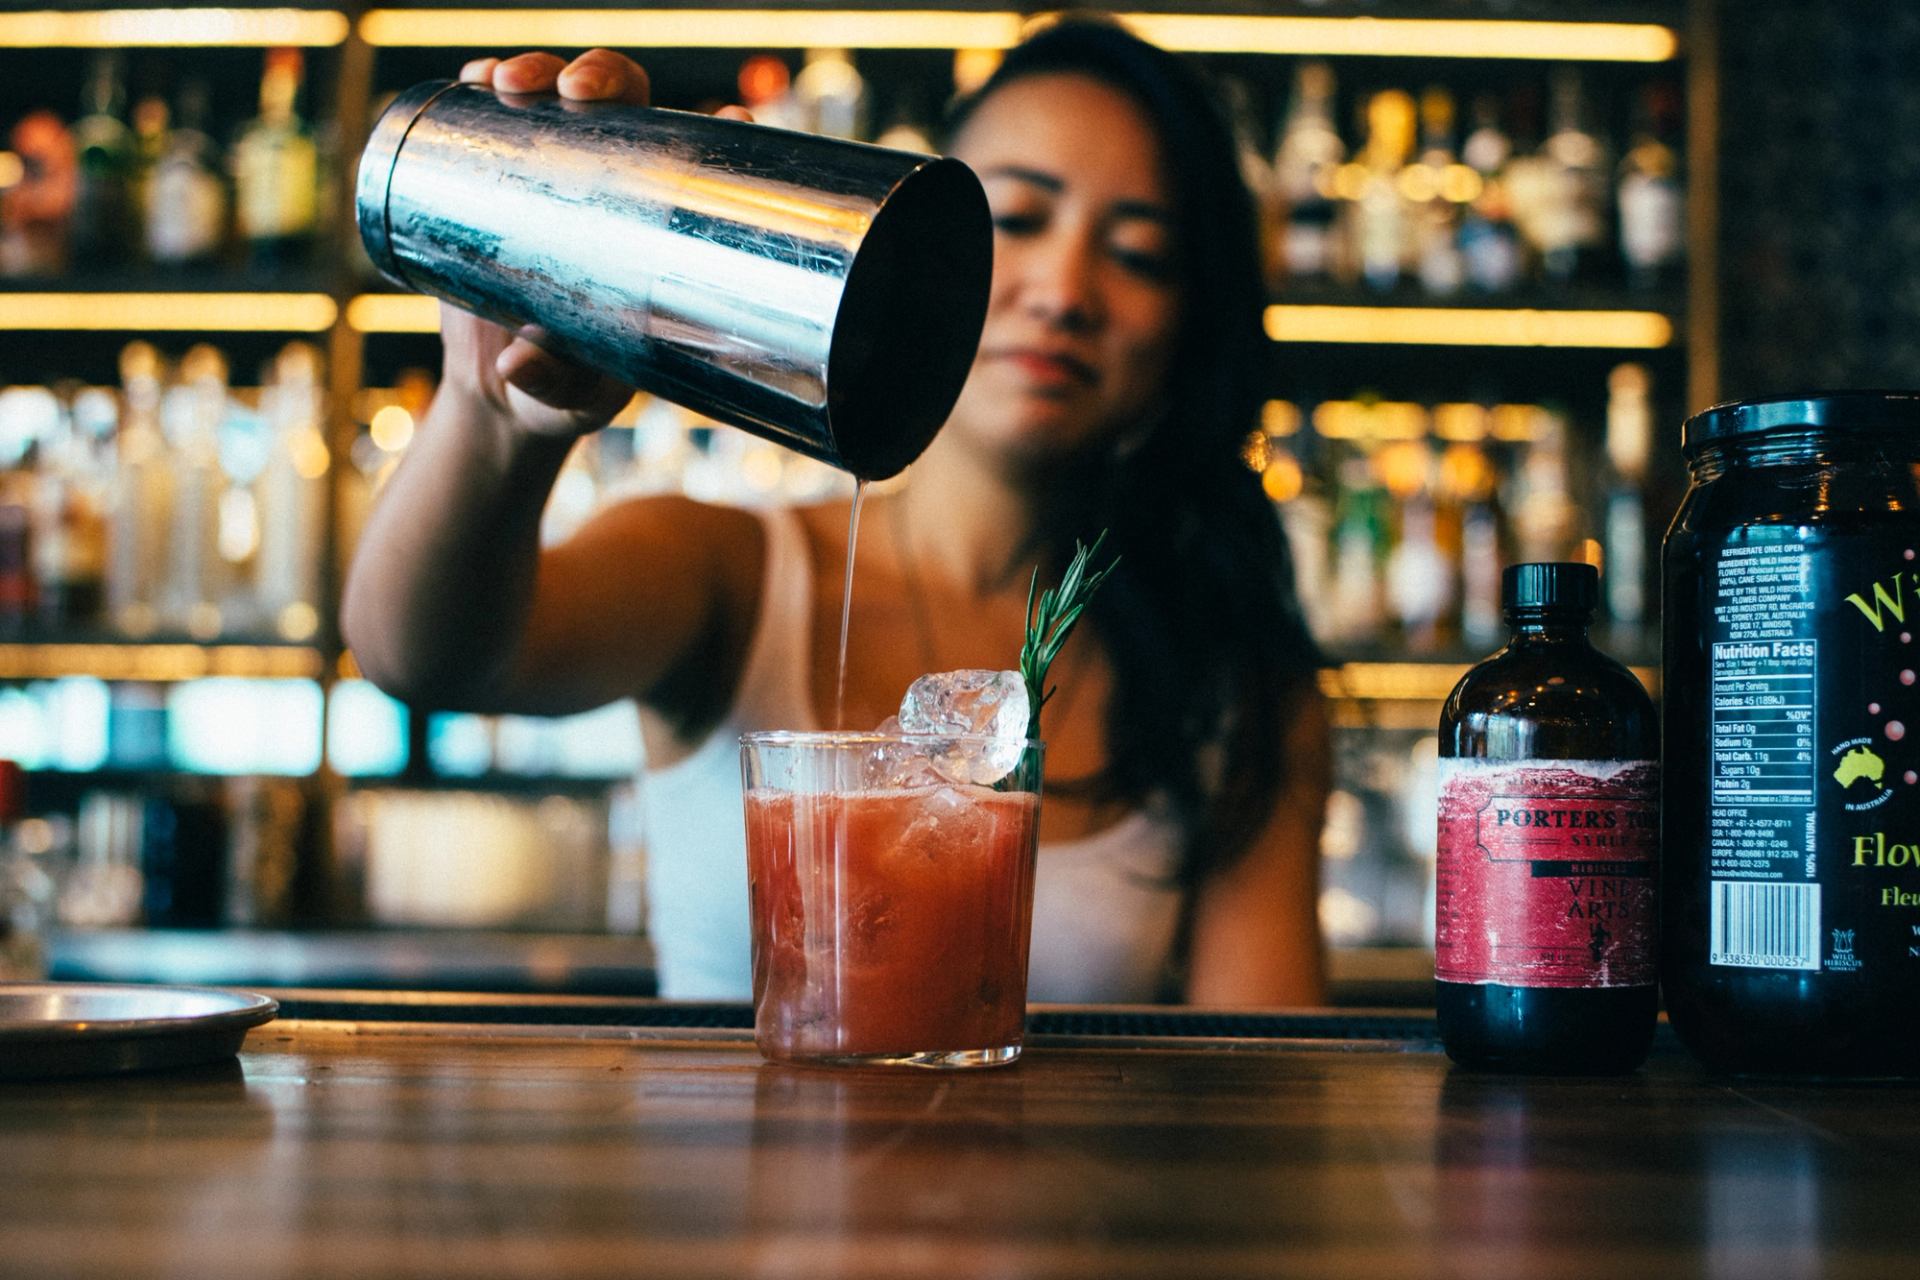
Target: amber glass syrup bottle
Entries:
(1545, 924)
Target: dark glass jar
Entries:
(1549, 824)
(1791, 887)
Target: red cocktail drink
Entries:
(890, 924)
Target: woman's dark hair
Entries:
(1209, 651)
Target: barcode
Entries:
(1765, 926)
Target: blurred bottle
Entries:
(1471, 483)
(1435, 187)
(104, 216)
(1382, 220)
(70, 527)
(1256, 173)
(1541, 503)
(152, 127)
(1309, 153)
(1420, 578)
(191, 416)
(766, 89)
(1357, 609)
(1489, 244)
(276, 170)
(187, 199)
(831, 95)
(36, 205)
(26, 891)
(141, 514)
(1624, 524)
(1652, 201)
(16, 552)
(1573, 228)
(293, 494)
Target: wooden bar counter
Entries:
(381, 1147)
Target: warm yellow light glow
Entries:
(692, 28)
(1408, 37)
(1459, 422)
(310, 457)
(948, 29)
(391, 428)
(1283, 479)
(1517, 422)
(394, 313)
(1280, 417)
(972, 68)
(155, 661)
(1357, 420)
(1469, 327)
(207, 312)
(12, 169)
(120, 28)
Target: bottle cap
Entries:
(1569, 586)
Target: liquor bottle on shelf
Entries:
(141, 514)
(293, 494)
(1357, 608)
(151, 124)
(1419, 576)
(1309, 153)
(276, 169)
(103, 210)
(187, 198)
(36, 211)
(1471, 484)
(766, 89)
(1489, 244)
(1433, 184)
(26, 890)
(1541, 502)
(192, 414)
(1573, 228)
(1623, 521)
(1382, 222)
(832, 94)
(1548, 844)
(1649, 194)
(70, 527)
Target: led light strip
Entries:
(120, 28)
(211, 312)
(1409, 37)
(692, 28)
(157, 661)
(1413, 681)
(394, 313)
(946, 29)
(1470, 327)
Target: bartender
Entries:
(1117, 377)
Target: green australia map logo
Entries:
(1860, 764)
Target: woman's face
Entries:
(1084, 305)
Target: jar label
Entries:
(1813, 836)
(1545, 872)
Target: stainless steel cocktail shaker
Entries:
(824, 294)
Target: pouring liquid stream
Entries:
(846, 605)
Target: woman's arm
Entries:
(450, 602)
(1256, 925)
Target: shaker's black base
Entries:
(1551, 1030)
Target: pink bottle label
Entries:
(1545, 874)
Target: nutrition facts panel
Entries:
(1763, 722)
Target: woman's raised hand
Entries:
(542, 393)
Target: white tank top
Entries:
(1105, 908)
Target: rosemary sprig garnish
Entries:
(1049, 626)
